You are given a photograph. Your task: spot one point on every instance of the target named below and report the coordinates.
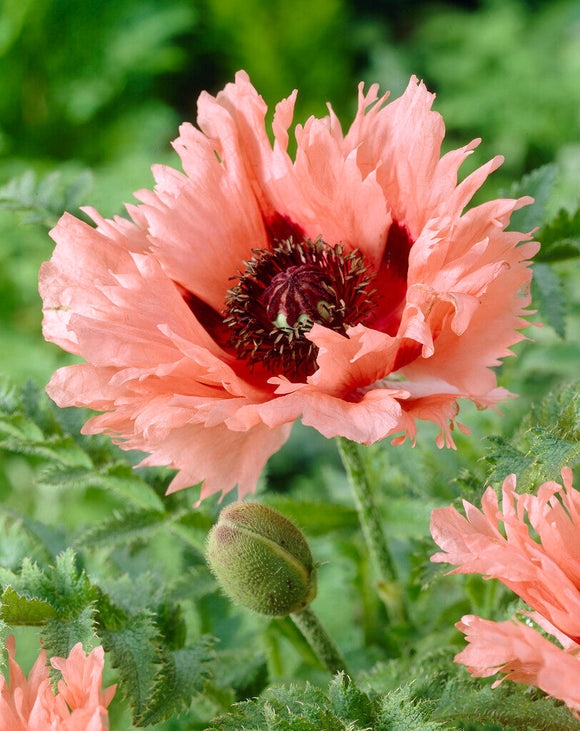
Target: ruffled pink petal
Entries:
(23, 692)
(547, 581)
(568, 644)
(523, 654)
(79, 705)
(204, 224)
(402, 142)
(112, 300)
(81, 676)
(460, 297)
(376, 415)
(217, 455)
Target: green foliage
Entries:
(134, 649)
(16, 609)
(61, 635)
(315, 517)
(548, 439)
(141, 630)
(62, 585)
(277, 44)
(399, 712)
(560, 238)
(28, 426)
(123, 527)
(182, 675)
(118, 477)
(243, 671)
(501, 73)
(540, 185)
(343, 708)
(510, 706)
(95, 89)
(21, 435)
(43, 201)
(59, 599)
(548, 296)
(158, 673)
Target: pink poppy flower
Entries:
(79, 705)
(545, 573)
(348, 287)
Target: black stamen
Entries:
(284, 291)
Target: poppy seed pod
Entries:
(261, 560)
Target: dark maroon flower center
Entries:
(285, 291)
(297, 297)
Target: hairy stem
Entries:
(384, 566)
(367, 511)
(320, 641)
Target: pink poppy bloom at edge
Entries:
(79, 705)
(546, 574)
(348, 287)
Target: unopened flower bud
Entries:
(261, 560)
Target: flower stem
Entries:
(320, 641)
(367, 511)
(378, 548)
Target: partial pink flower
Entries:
(30, 704)
(545, 572)
(524, 655)
(348, 287)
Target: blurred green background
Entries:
(102, 85)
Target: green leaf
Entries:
(509, 705)
(349, 702)
(130, 596)
(123, 527)
(306, 707)
(540, 185)
(550, 453)
(548, 439)
(117, 477)
(15, 543)
(60, 586)
(171, 624)
(61, 635)
(560, 239)
(51, 539)
(192, 527)
(547, 296)
(558, 413)
(135, 650)
(9, 401)
(181, 676)
(16, 609)
(504, 459)
(20, 435)
(43, 201)
(238, 673)
(344, 708)
(400, 712)
(192, 584)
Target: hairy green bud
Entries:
(261, 560)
